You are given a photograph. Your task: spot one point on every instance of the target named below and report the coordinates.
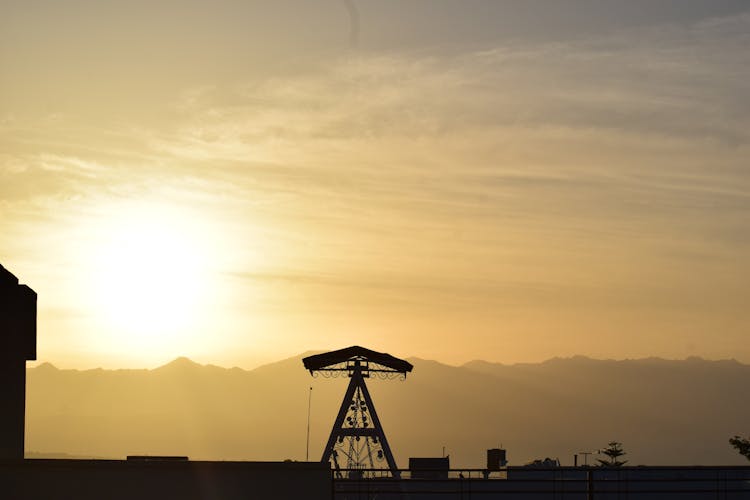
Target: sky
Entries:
(241, 181)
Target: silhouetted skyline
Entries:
(552, 409)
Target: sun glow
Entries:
(150, 279)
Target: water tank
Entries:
(496, 459)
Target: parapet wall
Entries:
(38, 479)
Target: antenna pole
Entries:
(309, 402)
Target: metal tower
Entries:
(357, 438)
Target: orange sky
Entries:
(238, 182)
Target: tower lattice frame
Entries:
(357, 441)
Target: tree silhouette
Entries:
(613, 452)
(741, 445)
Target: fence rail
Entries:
(560, 483)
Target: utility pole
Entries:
(309, 403)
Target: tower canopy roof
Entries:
(332, 358)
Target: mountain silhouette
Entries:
(179, 364)
(663, 411)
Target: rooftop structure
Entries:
(17, 345)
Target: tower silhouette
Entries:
(357, 437)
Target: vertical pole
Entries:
(590, 476)
(307, 448)
(333, 486)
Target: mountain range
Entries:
(665, 412)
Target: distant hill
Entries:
(665, 412)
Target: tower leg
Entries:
(339, 422)
(379, 431)
(358, 427)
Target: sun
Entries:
(150, 278)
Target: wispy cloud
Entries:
(606, 171)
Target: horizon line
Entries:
(183, 359)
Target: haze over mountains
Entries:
(664, 412)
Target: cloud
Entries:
(618, 134)
(606, 172)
